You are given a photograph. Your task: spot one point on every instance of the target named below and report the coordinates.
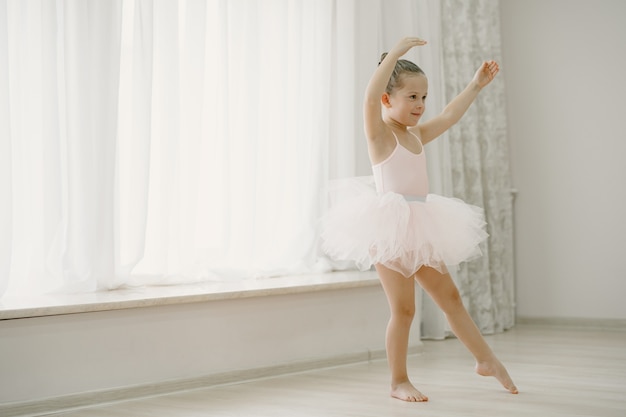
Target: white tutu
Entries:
(368, 228)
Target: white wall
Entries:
(564, 63)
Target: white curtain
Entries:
(168, 141)
(59, 88)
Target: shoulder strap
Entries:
(416, 137)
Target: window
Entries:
(167, 141)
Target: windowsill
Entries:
(137, 297)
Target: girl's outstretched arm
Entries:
(453, 112)
(374, 125)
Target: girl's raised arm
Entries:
(374, 125)
(453, 112)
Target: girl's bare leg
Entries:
(400, 293)
(444, 292)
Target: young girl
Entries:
(407, 233)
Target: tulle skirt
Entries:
(401, 233)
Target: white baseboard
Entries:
(575, 322)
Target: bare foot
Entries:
(405, 391)
(498, 370)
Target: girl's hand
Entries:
(486, 73)
(405, 45)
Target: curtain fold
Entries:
(89, 55)
(61, 89)
(135, 116)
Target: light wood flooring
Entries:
(559, 371)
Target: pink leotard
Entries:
(403, 172)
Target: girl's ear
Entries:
(385, 99)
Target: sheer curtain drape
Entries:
(233, 100)
(164, 142)
(60, 91)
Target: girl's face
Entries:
(407, 103)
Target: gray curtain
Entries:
(479, 158)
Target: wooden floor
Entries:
(560, 372)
